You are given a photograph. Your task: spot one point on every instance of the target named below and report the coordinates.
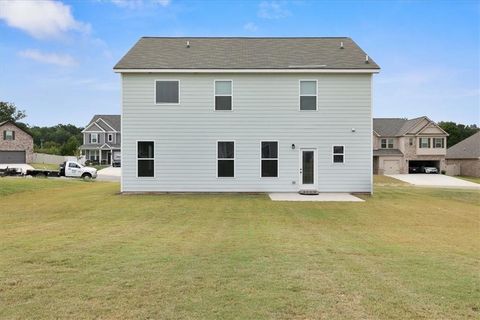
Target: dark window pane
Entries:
(308, 167)
(145, 168)
(308, 103)
(223, 103)
(145, 149)
(226, 168)
(338, 158)
(338, 149)
(226, 149)
(270, 149)
(166, 92)
(269, 168)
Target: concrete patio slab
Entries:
(330, 197)
(435, 180)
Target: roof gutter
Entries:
(119, 70)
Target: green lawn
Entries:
(472, 179)
(48, 166)
(71, 249)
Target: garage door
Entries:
(391, 166)
(12, 156)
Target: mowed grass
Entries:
(471, 179)
(70, 249)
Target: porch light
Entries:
(293, 146)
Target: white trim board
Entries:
(246, 70)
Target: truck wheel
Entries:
(86, 176)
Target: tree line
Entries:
(61, 139)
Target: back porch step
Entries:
(308, 192)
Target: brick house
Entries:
(400, 145)
(466, 156)
(16, 145)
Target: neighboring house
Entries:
(16, 145)
(401, 144)
(246, 115)
(102, 139)
(466, 156)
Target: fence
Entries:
(51, 158)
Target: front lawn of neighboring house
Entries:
(71, 249)
(48, 166)
(471, 179)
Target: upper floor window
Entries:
(93, 137)
(308, 94)
(145, 159)
(269, 155)
(386, 143)
(223, 95)
(166, 91)
(110, 137)
(424, 143)
(225, 159)
(438, 143)
(8, 135)
(338, 154)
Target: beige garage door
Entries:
(391, 166)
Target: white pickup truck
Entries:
(76, 170)
(69, 168)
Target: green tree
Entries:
(8, 111)
(457, 131)
(70, 148)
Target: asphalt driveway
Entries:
(435, 180)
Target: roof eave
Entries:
(289, 70)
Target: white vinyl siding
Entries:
(266, 107)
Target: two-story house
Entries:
(399, 145)
(246, 115)
(102, 139)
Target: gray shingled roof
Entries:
(387, 152)
(113, 120)
(245, 53)
(394, 127)
(466, 149)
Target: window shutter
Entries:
(4, 134)
(13, 135)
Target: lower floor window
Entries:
(338, 154)
(225, 159)
(145, 159)
(269, 154)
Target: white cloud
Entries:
(41, 19)
(133, 4)
(250, 26)
(63, 60)
(272, 10)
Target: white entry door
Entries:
(308, 168)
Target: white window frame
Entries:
(234, 159)
(97, 140)
(108, 137)
(9, 137)
(434, 144)
(137, 158)
(386, 143)
(420, 143)
(277, 158)
(155, 93)
(337, 154)
(222, 95)
(307, 95)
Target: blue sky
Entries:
(56, 57)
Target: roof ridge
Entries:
(238, 37)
